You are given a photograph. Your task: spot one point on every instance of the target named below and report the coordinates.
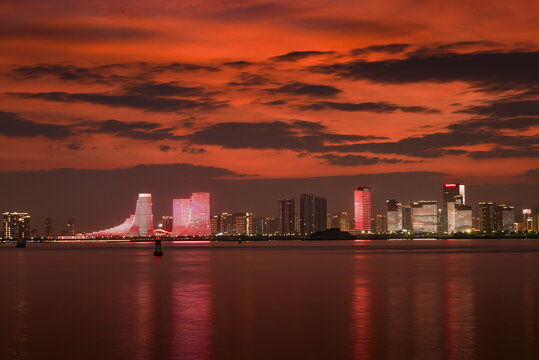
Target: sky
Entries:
(266, 92)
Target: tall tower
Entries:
(286, 216)
(320, 213)
(306, 214)
(143, 220)
(447, 217)
(362, 208)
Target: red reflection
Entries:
(362, 310)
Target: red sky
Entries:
(272, 89)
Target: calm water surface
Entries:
(274, 300)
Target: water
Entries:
(273, 300)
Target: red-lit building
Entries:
(362, 208)
(191, 216)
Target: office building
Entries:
(463, 218)
(16, 225)
(528, 220)
(362, 208)
(215, 224)
(508, 218)
(243, 223)
(406, 218)
(489, 216)
(71, 228)
(394, 216)
(448, 213)
(286, 216)
(166, 223)
(320, 213)
(425, 216)
(306, 214)
(191, 216)
(381, 224)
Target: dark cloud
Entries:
(274, 103)
(298, 55)
(379, 107)
(296, 135)
(136, 130)
(312, 90)
(505, 108)
(531, 174)
(176, 67)
(437, 48)
(73, 33)
(497, 152)
(74, 146)
(248, 79)
(355, 160)
(238, 64)
(164, 148)
(386, 48)
(517, 123)
(139, 102)
(12, 124)
(171, 88)
(487, 70)
(444, 143)
(66, 73)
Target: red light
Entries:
(450, 185)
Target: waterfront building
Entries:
(453, 193)
(306, 214)
(191, 216)
(166, 222)
(243, 223)
(71, 228)
(215, 224)
(16, 225)
(265, 226)
(508, 218)
(489, 215)
(529, 221)
(381, 224)
(320, 213)
(463, 218)
(362, 208)
(425, 216)
(394, 216)
(406, 218)
(139, 224)
(286, 216)
(227, 224)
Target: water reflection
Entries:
(413, 306)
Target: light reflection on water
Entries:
(342, 300)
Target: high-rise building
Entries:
(394, 216)
(306, 214)
(381, 223)
(47, 225)
(406, 218)
(362, 208)
(286, 216)
(490, 216)
(16, 225)
(243, 223)
(320, 213)
(166, 222)
(343, 221)
(508, 218)
(463, 218)
(215, 224)
(265, 226)
(448, 214)
(425, 216)
(227, 224)
(529, 220)
(192, 216)
(139, 224)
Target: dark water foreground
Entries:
(275, 300)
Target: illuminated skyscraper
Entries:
(490, 216)
(16, 225)
(139, 224)
(362, 208)
(529, 221)
(394, 216)
(447, 218)
(406, 218)
(508, 218)
(286, 216)
(243, 223)
(192, 216)
(425, 216)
